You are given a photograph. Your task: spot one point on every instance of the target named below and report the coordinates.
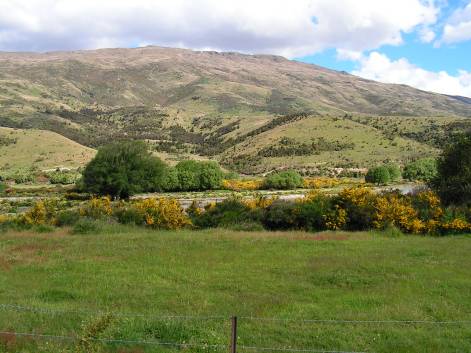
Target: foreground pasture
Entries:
(59, 284)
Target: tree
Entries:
(195, 176)
(453, 179)
(210, 176)
(423, 170)
(288, 179)
(122, 169)
(394, 171)
(378, 175)
(188, 175)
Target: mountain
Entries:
(248, 111)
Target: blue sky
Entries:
(422, 43)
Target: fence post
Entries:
(233, 348)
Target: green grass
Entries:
(295, 275)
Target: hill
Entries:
(216, 104)
(20, 149)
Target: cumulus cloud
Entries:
(285, 27)
(379, 67)
(458, 26)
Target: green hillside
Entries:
(225, 106)
(21, 149)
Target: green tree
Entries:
(188, 175)
(394, 171)
(288, 179)
(210, 176)
(122, 169)
(378, 175)
(453, 179)
(423, 170)
(195, 176)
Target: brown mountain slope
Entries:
(172, 77)
(221, 105)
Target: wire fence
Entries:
(44, 310)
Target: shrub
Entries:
(63, 177)
(210, 176)
(67, 218)
(129, 215)
(229, 212)
(198, 176)
(358, 203)
(87, 226)
(188, 175)
(318, 183)
(421, 170)
(43, 228)
(289, 179)
(3, 187)
(453, 179)
(378, 175)
(170, 181)
(163, 213)
(96, 208)
(394, 209)
(19, 176)
(281, 215)
(241, 184)
(42, 212)
(123, 169)
(311, 215)
(394, 171)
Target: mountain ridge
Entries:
(219, 105)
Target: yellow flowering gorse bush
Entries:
(163, 213)
(238, 185)
(97, 208)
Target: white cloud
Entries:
(286, 27)
(379, 67)
(458, 26)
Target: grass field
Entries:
(218, 273)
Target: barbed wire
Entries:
(172, 344)
(334, 321)
(110, 340)
(255, 348)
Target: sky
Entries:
(422, 43)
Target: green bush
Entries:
(3, 187)
(281, 215)
(43, 228)
(378, 175)
(210, 176)
(63, 177)
(421, 170)
(87, 226)
(67, 218)
(123, 169)
(394, 172)
(311, 215)
(129, 215)
(19, 176)
(228, 213)
(453, 180)
(195, 176)
(284, 180)
(170, 180)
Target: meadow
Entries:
(183, 286)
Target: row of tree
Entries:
(449, 175)
(125, 168)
